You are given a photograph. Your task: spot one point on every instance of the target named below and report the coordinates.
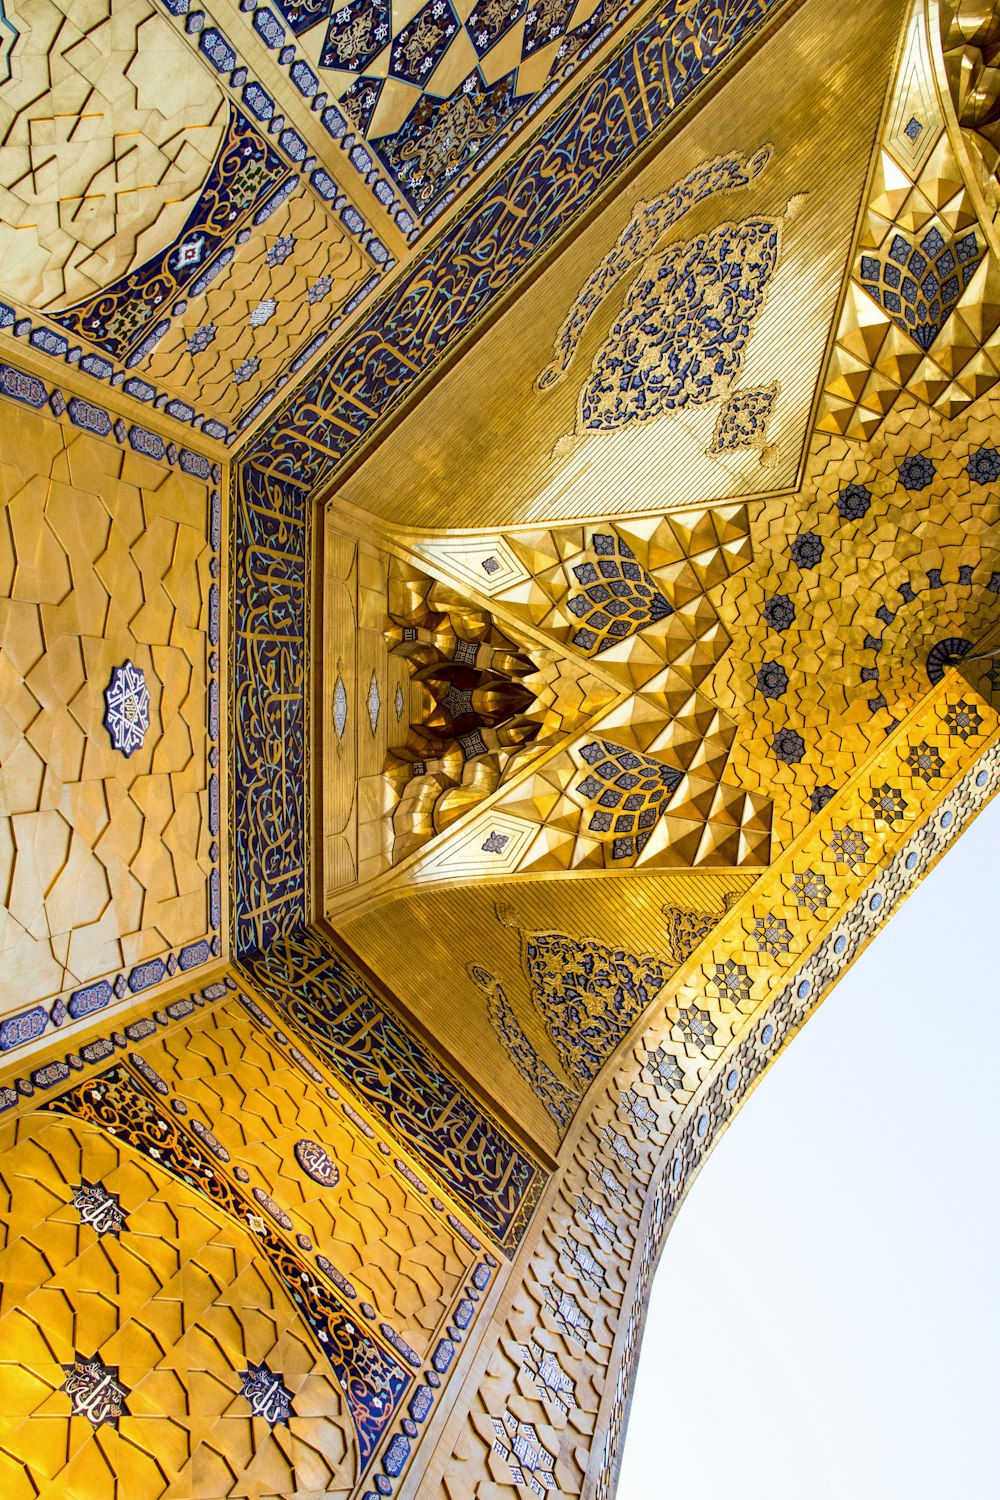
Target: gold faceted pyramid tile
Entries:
(663, 550)
(955, 345)
(928, 382)
(672, 691)
(678, 631)
(874, 230)
(549, 850)
(564, 815)
(588, 854)
(673, 843)
(529, 598)
(980, 303)
(729, 806)
(729, 524)
(570, 541)
(638, 532)
(952, 400)
(880, 394)
(958, 214)
(537, 550)
(979, 375)
(835, 415)
(754, 848)
(737, 553)
(863, 325)
(711, 568)
(705, 653)
(705, 719)
(696, 534)
(698, 614)
(758, 813)
(710, 758)
(890, 189)
(846, 375)
(720, 845)
(898, 357)
(553, 581)
(634, 723)
(863, 424)
(693, 798)
(941, 177)
(678, 581)
(917, 213)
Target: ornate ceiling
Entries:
(496, 500)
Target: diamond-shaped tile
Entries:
(374, 702)
(399, 701)
(340, 707)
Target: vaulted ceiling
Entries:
(545, 446)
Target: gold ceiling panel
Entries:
(173, 1319)
(108, 137)
(466, 934)
(105, 556)
(767, 187)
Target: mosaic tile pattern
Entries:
(109, 549)
(635, 1163)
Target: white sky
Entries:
(825, 1321)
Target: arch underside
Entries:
(499, 610)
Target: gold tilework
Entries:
(180, 1303)
(488, 415)
(646, 1132)
(283, 285)
(108, 136)
(438, 1128)
(478, 925)
(105, 558)
(372, 1224)
(838, 639)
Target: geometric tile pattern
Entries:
(919, 285)
(662, 719)
(922, 312)
(591, 1320)
(925, 580)
(104, 558)
(148, 1333)
(430, 86)
(382, 1234)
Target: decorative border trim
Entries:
(99, 1049)
(443, 293)
(224, 56)
(396, 1448)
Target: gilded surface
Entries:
(737, 166)
(178, 1314)
(106, 860)
(107, 140)
(229, 1071)
(562, 746)
(479, 926)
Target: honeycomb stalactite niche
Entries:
(433, 704)
(436, 786)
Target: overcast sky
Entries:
(825, 1321)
